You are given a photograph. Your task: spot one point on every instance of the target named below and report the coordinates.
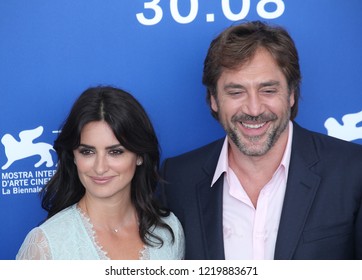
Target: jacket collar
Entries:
(301, 189)
(210, 206)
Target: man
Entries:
(270, 189)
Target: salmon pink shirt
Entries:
(251, 233)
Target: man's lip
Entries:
(253, 125)
(254, 128)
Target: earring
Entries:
(139, 161)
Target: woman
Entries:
(100, 202)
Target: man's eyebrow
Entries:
(233, 86)
(262, 84)
(270, 83)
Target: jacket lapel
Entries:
(210, 208)
(301, 188)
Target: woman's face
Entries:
(104, 166)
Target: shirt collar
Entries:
(223, 162)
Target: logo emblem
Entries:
(17, 150)
(349, 130)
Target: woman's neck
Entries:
(109, 215)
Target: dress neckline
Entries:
(103, 255)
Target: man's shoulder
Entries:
(192, 161)
(209, 150)
(324, 142)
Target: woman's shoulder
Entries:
(176, 227)
(171, 220)
(63, 219)
(173, 248)
(41, 241)
(163, 232)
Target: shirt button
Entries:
(227, 232)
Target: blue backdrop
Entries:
(50, 51)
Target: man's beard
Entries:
(249, 149)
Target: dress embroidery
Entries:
(103, 255)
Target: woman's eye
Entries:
(116, 152)
(86, 152)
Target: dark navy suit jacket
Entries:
(322, 210)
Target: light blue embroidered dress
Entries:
(69, 235)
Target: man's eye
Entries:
(233, 93)
(269, 91)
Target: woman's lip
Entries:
(101, 180)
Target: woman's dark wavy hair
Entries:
(133, 129)
(237, 45)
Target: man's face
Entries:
(253, 104)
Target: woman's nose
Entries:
(101, 165)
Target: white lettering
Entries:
(39, 181)
(18, 190)
(16, 175)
